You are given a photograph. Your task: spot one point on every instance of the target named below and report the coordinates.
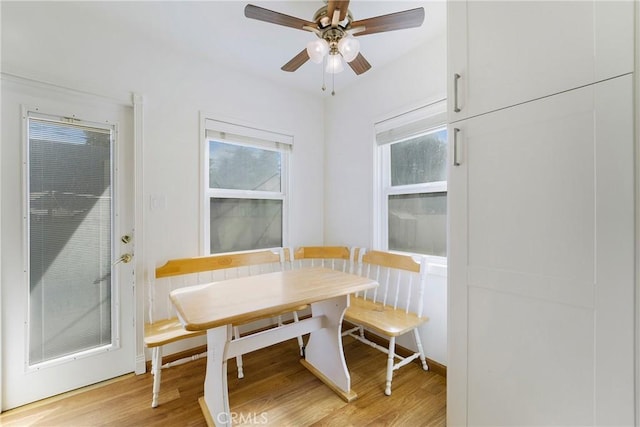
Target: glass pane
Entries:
(420, 160)
(244, 224)
(69, 239)
(418, 223)
(236, 167)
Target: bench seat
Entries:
(166, 331)
(382, 318)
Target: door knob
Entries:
(124, 258)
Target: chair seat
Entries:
(381, 318)
(167, 331)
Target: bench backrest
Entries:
(334, 257)
(402, 279)
(178, 273)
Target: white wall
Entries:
(415, 80)
(52, 43)
(176, 87)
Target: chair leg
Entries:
(156, 370)
(300, 342)
(423, 359)
(390, 358)
(236, 335)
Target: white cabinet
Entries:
(541, 261)
(502, 53)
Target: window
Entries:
(69, 228)
(246, 176)
(412, 182)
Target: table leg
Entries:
(215, 403)
(323, 354)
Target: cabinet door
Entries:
(502, 53)
(541, 262)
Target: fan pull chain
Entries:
(333, 84)
(324, 61)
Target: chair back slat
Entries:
(410, 294)
(397, 286)
(386, 274)
(178, 273)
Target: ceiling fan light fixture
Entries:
(317, 49)
(334, 64)
(349, 47)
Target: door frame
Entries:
(137, 101)
(636, 108)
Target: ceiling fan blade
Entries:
(266, 15)
(359, 65)
(296, 61)
(394, 21)
(341, 5)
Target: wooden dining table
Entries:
(216, 306)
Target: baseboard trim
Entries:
(141, 365)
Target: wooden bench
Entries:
(163, 326)
(394, 308)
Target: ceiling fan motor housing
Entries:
(322, 18)
(333, 36)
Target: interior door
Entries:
(68, 300)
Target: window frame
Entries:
(63, 118)
(433, 118)
(283, 144)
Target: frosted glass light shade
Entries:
(317, 49)
(349, 47)
(334, 64)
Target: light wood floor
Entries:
(277, 390)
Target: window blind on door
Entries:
(69, 230)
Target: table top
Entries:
(237, 301)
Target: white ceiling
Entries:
(219, 30)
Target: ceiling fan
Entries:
(335, 28)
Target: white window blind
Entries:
(69, 229)
(412, 123)
(245, 134)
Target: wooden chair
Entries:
(163, 326)
(393, 309)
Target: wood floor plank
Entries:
(277, 390)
